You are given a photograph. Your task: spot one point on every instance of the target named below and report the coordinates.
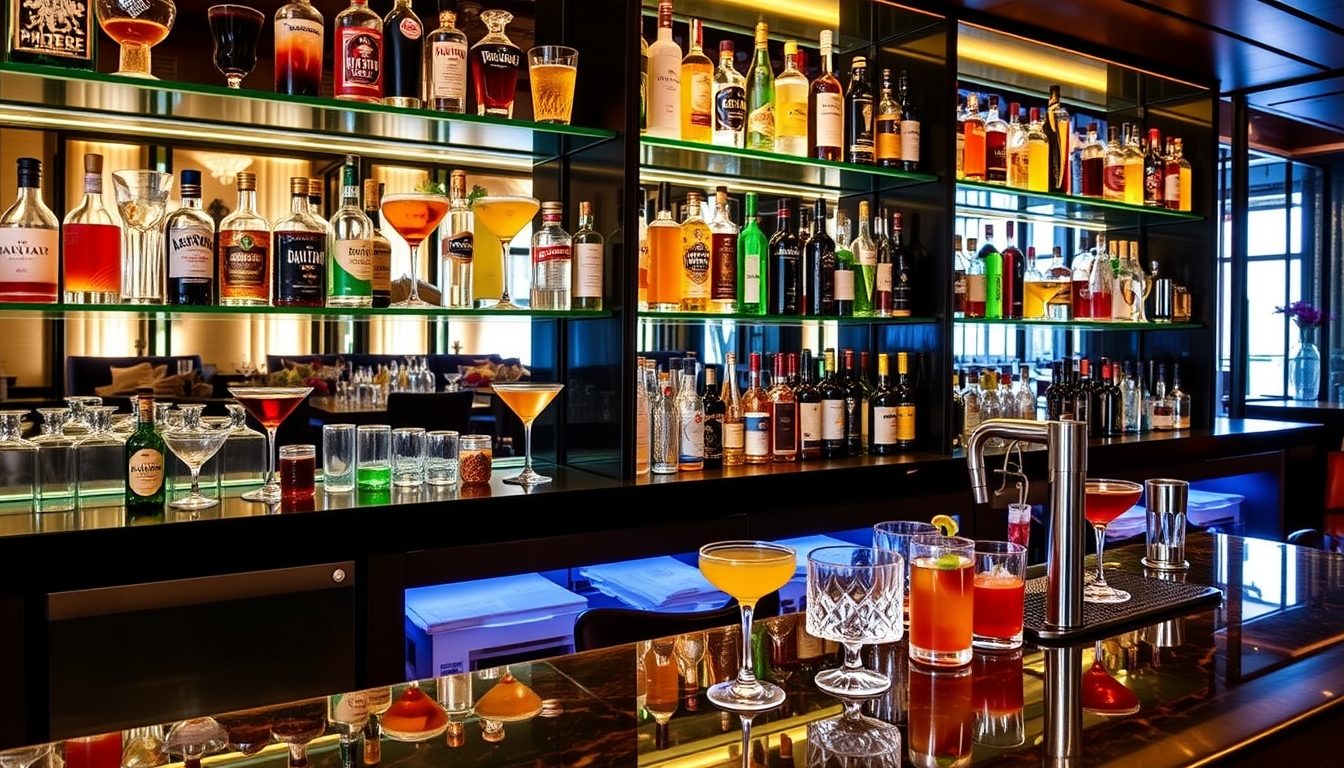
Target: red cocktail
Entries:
(94, 751)
(996, 695)
(1107, 500)
(270, 406)
(1102, 694)
(999, 604)
(941, 718)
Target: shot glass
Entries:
(298, 468)
(895, 535)
(374, 469)
(474, 460)
(441, 457)
(942, 599)
(1000, 595)
(338, 458)
(552, 69)
(408, 457)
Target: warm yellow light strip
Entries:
(1028, 57)
(826, 14)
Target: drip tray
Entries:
(1151, 601)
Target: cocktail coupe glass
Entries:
(1107, 500)
(414, 716)
(415, 216)
(748, 571)
(505, 216)
(527, 400)
(195, 442)
(235, 29)
(142, 199)
(23, 757)
(509, 701)
(194, 739)
(1102, 694)
(854, 597)
(137, 26)
(295, 725)
(270, 406)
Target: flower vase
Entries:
(1304, 367)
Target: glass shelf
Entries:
(748, 170)
(998, 200)
(695, 318)
(26, 310)
(50, 98)
(1081, 325)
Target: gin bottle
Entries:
(350, 246)
(189, 239)
(446, 66)
(300, 275)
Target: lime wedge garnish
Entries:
(947, 563)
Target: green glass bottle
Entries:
(350, 246)
(145, 452)
(752, 247)
(761, 95)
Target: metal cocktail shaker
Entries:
(1166, 501)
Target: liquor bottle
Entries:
(1007, 399)
(723, 238)
(691, 421)
(887, 131)
(859, 114)
(1133, 155)
(974, 160)
(552, 260)
(993, 261)
(882, 412)
(713, 408)
(315, 198)
(1058, 133)
(834, 443)
(1094, 164)
(996, 145)
(991, 407)
(783, 414)
(960, 281)
(696, 240)
(902, 270)
(1018, 160)
(865, 249)
(1026, 394)
(761, 94)
(457, 249)
(883, 268)
(1113, 166)
(1014, 275)
(734, 445)
(697, 89)
(189, 244)
(975, 280)
(380, 268)
(808, 397)
(1038, 154)
(403, 56)
(1076, 143)
(642, 295)
(756, 412)
(1180, 200)
(643, 84)
(856, 406)
(350, 246)
(244, 246)
(791, 101)
(1132, 402)
(826, 108)
(663, 433)
(1081, 266)
(753, 250)
(359, 54)
(1154, 172)
(589, 261)
(819, 270)
(785, 265)
(1180, 400)
(145, 452)
(300, 263)
(1059, 301)
(665, 264)
(1122, 290)
(910, 127)
(1163, 416)
(91, 244)
(446, 66)
(664, 109)
(643, 394)
(299, 47)
(730, 100)
(1082, 394)
(844, 267)
(960, 138)
(1108, 405)
(1101, 283)
(30, 242)
(53, 34)
(495, 63)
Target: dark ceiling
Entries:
(1287, 56)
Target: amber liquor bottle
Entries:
(756, 412)
(784, 414)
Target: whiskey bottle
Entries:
(695, 257)
(589, 261)
(300, 274)
(973, 128)
(1178, 168)
(697, 89)
(996, 145)
(446, 66)
(783, 414)
(1058, 134)
(791, 96)
(380, 268)
(359, 54)
(730, 100)
(819, 267)
(826, 109)
(189, 241)
(244, 247)
(752, 257)
(30, 241)
(53, 33)
(714, 407)
(665, 79)
(665, 264)
(784, 267)
(691, 421)
(299, 49)
(350, 246)
(883, 412)
(495, 63)
(761, 118)
(865, 263)
(1133, 154)
(145, 453)
(552, 260)
(756, 413)
(91, 244)
(808, 398)
(910, 127)
(723, 237)
(734, 446)
(859, 114)
(887, 134)
(1038, 153)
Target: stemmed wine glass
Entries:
(415, 216)
(194, 739)
(505, 216)
(1107, 500)
(270, 406)
(195, 442)
(235, 29)
(854, 597)
(748, 571)
(136, 27)
(528, 400)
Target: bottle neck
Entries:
(298, 203)
(247, 200)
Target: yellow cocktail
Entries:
(505, 216)
(527, 399)
(747, 570)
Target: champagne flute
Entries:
(747, 570)
(528, 400)
(505, 217)
(1107, 500)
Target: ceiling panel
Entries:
(1328, 11)
(1293, 36)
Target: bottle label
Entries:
(642, 434)
(244, 259)
(883, 425)
(959, 283)
(757, 431)
(1113, 180)
(144, 472)
(867, 257)
(29, 255)
(300, 267)
(809, 422)
(691, 447)
(832, 420)
(751, 281)
(976, 286)
(910, 141)
(784, 429)
(359, 55)
(724, 246)
(1172, 188)
(460, 246)
(381, 268)
(695, 267)
(761, 123)
(665, 98)
(861, 117)
(713, 437)
(730, 108)
(734, 435)
(588, 271)
(883, 282)
(448, 71)
(53, 28)
(888, 138)
(352, 274)
(191, 252)
(793, 118)
(410, 28)
(844, 285)
(551, 267)
(702, 99)
(905, 423)
(830, 119)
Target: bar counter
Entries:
(1258, 678)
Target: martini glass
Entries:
(1107, 500)
(747, 570)
(505, 217)
(1102, 694)
(270, 406)
(195, 443)
(414, 716)
(528, 400)
(415, 216)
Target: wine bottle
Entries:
(145, 452)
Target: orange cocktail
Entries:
(942, 599)
(527, 399)
(941, 720)
(415, 216)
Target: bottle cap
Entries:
(191, 177)
(315, 188)
(727, 47)
(790, 47)
(93, 163)
(585, 208)
(552, 207)
(247, 181)
(298, 185)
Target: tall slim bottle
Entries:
(189, 242)
(714, 407)
(1154, 172)
(783, 414)
(887, 130)
(642, 395)
(665, 79)
(883, 411)
(859, 114)
(756, 411)
(910, 125)
(663, 428)
(730, 100)
(885, 275)
(834, 443)
(446, 66)
(298, 49)
(752, 256)
(844, 267)
(865, 263)
(589, 261)
(695, 257)
(761, 94)
(1059, 133)
(244, 246)
(552, 260)
(358, 54)
(723, 255)
(973, 128)
(30, 241)
(300, 263)
(665, 256)
(350, 246)
(826, 109)
(91, 244)
(819, 261)
(691, 421)
(697, 89)
(809, 408)
(785, 269)
(1113, 166)
(1038, 154)
(993, 261)
(791, 97)
(403, 57)
(380, 268)
(1014, 274)
(458, 249)
(902, 270)
(734, 446)
(996, 145)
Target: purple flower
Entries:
(1304, 314)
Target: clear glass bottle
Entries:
(300, 274)
(664, 112)
(242, 459)
(446, 66)
(299, 49)
(1132, 400)
(589, 261)
(1122, 292)
(859, 108)
(1113, 166)
(358, 61)
(1093, 164)
(1025, 394)
(30, 241)
(970, 396)
(643, 393)
(696, 239)
(552, 260)
(380, 270)
(734, 446)
(57, 476)
(495, 63)
(730, 100)
(791, 96)
(1081, 267)
(458, 248)
(1162, 409)
(1180, 401)
(864, 248)
(697, 89)
(1101, 284)
(189, 241)
(91, 244)
(663, 428)
(245, 250)
(690, 421)
(403, 57)
(761, 118)
(350, 246)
